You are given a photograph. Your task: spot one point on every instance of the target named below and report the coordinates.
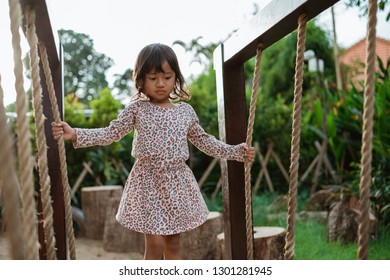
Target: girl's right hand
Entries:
(63, 129)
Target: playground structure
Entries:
(268, 26)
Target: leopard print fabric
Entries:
(161, 195)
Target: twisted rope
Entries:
(11, 188)
(61, 145)
(368, 123)
(26, 164)
(295, 139)
(248, 164)
(40, 135)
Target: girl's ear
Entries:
(139, 85)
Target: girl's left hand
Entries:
(249, 153)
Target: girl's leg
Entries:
(172, 247)
(154, 247)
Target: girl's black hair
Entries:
(152, 57)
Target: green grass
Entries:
(311, 239)
(311, 244)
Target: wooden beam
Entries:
(272, 23)
(45, 34)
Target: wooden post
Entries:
(45, 34)
(232, 115)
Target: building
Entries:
(353, 61)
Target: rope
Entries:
(247, 164)
(44, 179)
(61, 145)
(295, 138)
(11, 188)
(30, 235)
(366, 150)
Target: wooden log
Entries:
(280, 165)
(317, 170)
(264, 170)
(199, 243)
(94, 203)
(217, 189)
(206, 174)
(268, 243)
(86, 169)
(117, 238)
(309, 169)
(327, 163)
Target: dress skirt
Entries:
(162, 199)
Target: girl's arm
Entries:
(82, 137)
(216, 148)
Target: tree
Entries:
(85, 68)
(123, 85)
(202, 54)
(105, 109)
(278, 62)
(363, 6)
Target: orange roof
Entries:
(356, 54)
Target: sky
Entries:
(121, 28)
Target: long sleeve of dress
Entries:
(116, 130)
(212, 146)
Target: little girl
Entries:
(161, 197)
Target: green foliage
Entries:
(74, 111)
(85, 68)
(108, 161)
(278, 61)
(11, 107)
(344, 115)
(380, 195)
(347, 115)
(274, 104)
(202, 54)
(123, 84)
(363, 6)
(273, 120)
(105, 109)
(204, 101)
(110, 164)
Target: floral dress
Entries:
(161, 195)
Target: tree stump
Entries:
(343, 221)
(199, 243)
(117, 238)
(321, 201)
(94, 203)
(268, 242)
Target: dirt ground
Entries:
(86, 249)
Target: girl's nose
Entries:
(160, 82)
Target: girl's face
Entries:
(158, 86)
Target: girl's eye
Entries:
(152, 78)
(167, 78)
